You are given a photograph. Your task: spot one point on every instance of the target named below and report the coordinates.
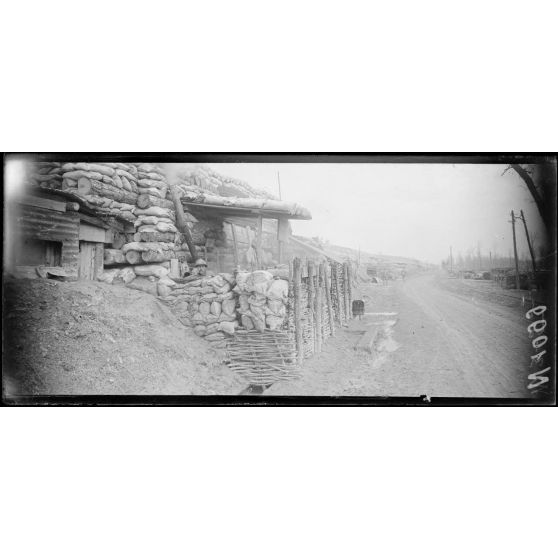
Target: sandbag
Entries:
(259, 325)
(219, 336)
(227, 327)
(200, 330)
(146, 270)
(127, 274)
(215, 308)
(77, 174)
(150, 220)
(205, 308)
(211, 319)
(198, 319)
(163, 290)
(145, 246)
(274, 322)
(161, 226)
(247, 322)
(257, 299)
(279, 290)
(157, 212)
(217, 281)
(228, 307)
(147, 183)
(276, 307)
(151, 192)
(125, 183)
(89, 167)
(241, 279)
(149, 167)
(243, 301)
(108, 276)
(257, 313)
(166, 280)
(224, 289)
(124, 174)
(228, 277)
(212, 328)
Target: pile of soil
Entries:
(85, 338)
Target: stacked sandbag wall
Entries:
(140, 260)
(262, 300)
(112, 187)
(203, 178)
(209, 305)
(153, 258)
(46, 175)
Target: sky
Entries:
(409, 210)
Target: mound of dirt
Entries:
(85, 338)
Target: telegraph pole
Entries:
(529, 243)
(451, 261)
(515, 252)
(279, 181)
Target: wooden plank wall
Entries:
(46, 224)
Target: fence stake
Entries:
(328, 300)
(297, 280)
(311, 301)
(318, 309)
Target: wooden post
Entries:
(328, 301)
(346, 291)
(318, 311)
(259, 234)
(282, 236)
(235, 245)
(515, 252)
(335, 285)
(297, 280)
(311, 297)
(533, 262)
(182, 224)
(350, 283)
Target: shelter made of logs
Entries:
(55, 230)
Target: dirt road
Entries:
(466, 346)
(436, 338)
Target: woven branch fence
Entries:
(319, 301)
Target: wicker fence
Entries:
(319, 302)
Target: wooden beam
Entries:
(259, 238)
(95, 221)
(181, 222)
(235, 245)
(43, 203)
(91, 233)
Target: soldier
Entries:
(200, 270)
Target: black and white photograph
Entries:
(279, 279)
(254, 278)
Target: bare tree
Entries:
(536, 178)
